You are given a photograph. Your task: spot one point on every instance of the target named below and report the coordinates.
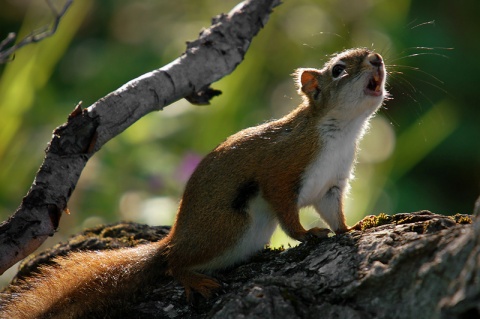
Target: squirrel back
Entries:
(256, 179)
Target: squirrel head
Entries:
(352, 82)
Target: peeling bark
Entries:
(419, 265)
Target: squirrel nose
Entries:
(375, 59)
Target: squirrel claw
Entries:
(201, 284)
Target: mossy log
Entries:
(418, 265)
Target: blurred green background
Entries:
(422, 151)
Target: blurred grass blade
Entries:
(31, 69)
(415, 143)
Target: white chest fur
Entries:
(262, 224)
(334, 164)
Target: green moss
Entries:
(428, 221)
(406, 219)
(374, 221)
(275, 249)
(383, 219)
(461, 218)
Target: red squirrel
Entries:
(256, 179)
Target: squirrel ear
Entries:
(308, 82)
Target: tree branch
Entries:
(216, 53)
(36, 36)
(419, 265)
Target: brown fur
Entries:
(83, 282)
(238, 153)
(269, 160)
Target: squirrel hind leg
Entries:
(195, 281)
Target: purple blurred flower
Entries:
(187, 166)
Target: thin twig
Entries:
(36, 36)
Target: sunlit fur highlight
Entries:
(257, 178)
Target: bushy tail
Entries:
(83, 282)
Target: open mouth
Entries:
(374, 86)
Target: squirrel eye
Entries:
(337, 70)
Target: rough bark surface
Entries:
(216, 53)
(418, 265)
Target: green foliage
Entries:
(420, 153)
